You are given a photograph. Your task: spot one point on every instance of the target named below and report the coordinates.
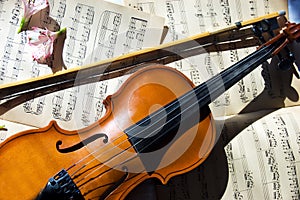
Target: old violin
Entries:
(153, 128)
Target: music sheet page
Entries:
(259, 151)
(264, 158)
(96, 30)
(263, 161)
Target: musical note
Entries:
(195, 76)
(199, 14)
(106, 41)
(107, 35)
(135, 34)
(233, 176)
(267, 6)
(87, 103)
(226, 12)
(223, 100)
(146, 7)
(297, 130)
(93, 107)
(63, 104)
(79, 34)
(11, 57)
(254, 86)
(15, 17)
(261, 162)
(35, 106)
(38, 110)
(253, 8)
(212, 13)
(177, 19)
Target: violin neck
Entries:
(218, 84)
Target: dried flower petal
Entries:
(31, 7)
(42, 40)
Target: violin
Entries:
(152, 128)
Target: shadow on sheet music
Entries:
(209, 180)
(278, 89)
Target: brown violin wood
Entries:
(31, 157)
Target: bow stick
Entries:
(240, 35)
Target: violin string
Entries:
(227, 75)
(98, 156)
(101, 186)
(106, 161)
(79, 184)
(103, 164)
(104, 152)
(265, 52)
(100, 165)
(91, 154)
(191, 94)
(112, 158)
(96, 188)
(99, 175)
(206, 95)
(103, 173)
(198, 90)
(115, 139)
(131, 129)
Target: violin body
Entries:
(101, 159)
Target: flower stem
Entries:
(2, 128)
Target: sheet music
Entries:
(188, 18)
(95, 30)
(263, 162)
(264, 159)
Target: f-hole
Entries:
(81, 144)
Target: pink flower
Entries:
(31, 7)
(42, 41)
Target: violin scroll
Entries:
(292, 31)
(289, 33)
